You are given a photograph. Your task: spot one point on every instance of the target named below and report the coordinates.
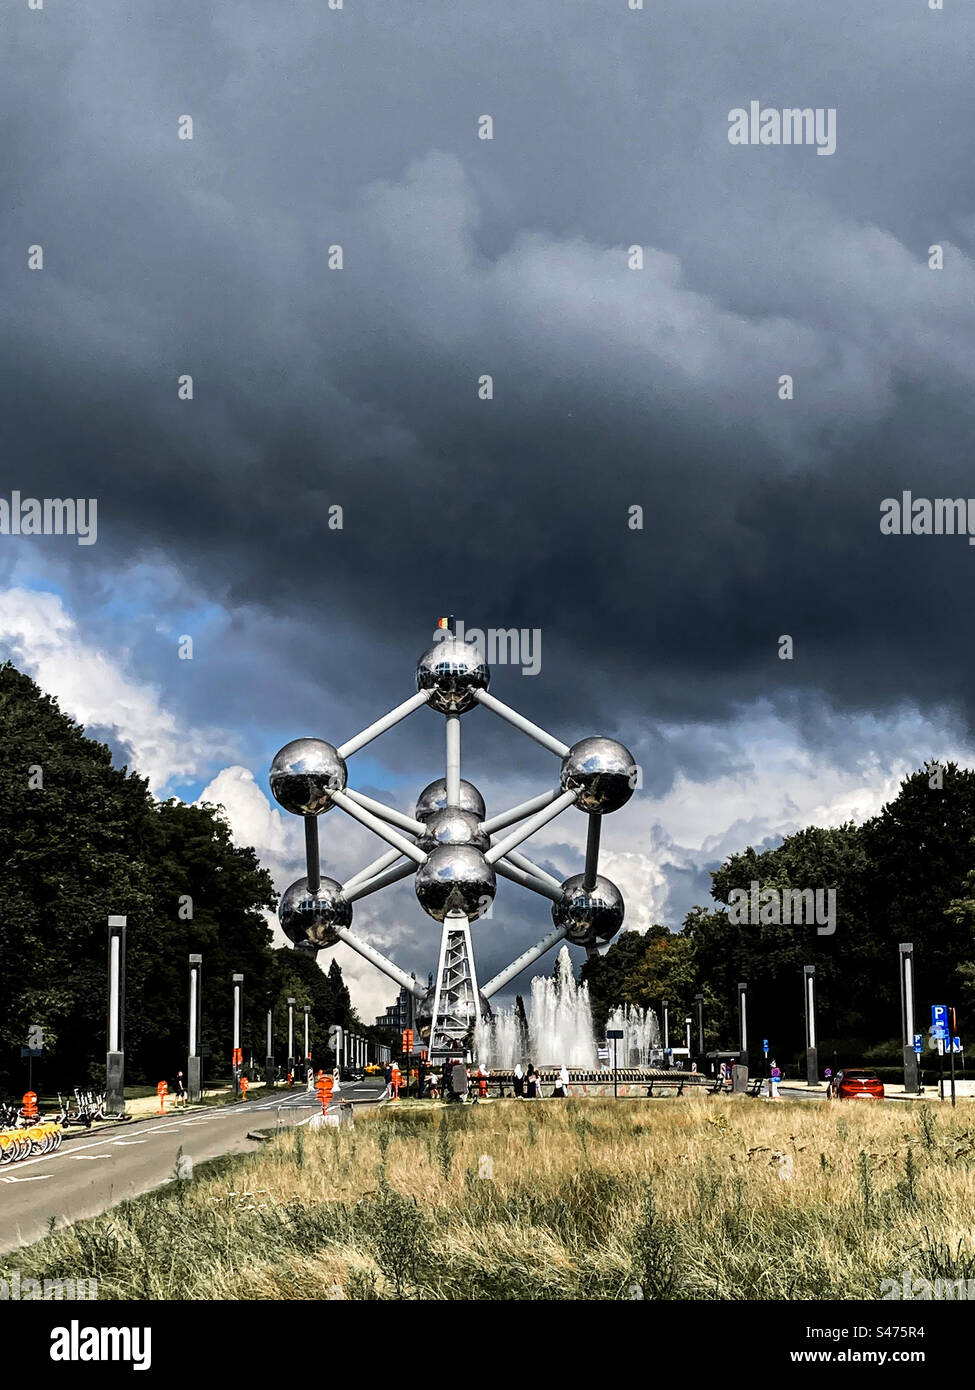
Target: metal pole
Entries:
(307, 1042)
(238, 981)
(383, 880)
(666, 1004)
(812, 1055)
(453, 758)
(743, 1022)
(193, 1087)
(530, 826)
(687, 1027)
(407, 823)
(554, 745)
(377, 959)
(699, 1001)
(381, 725)
(614, 1070)
(291, 1035)
(517, 813)
(115, 1056)
(312, 860)
(592, 854)
(537, 885)
(906, 960)
(378, 827)
(523, 961)
(269, 1060)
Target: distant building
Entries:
(401, 1014)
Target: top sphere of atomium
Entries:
(589, 916)
(305, 773)
(452, 671)
(602, 771)
(434, 798)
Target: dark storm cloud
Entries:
(612, 387)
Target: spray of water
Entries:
(560, 1027)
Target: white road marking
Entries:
(126, 1144)
(37, 1177)
(89, 1158)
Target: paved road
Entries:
(92, 1172)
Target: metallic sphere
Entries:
(434, 798)
(602, 771)
(452, 670)
(589, 917)
(310, 919)
(455, 878)
(305, 773)
(453, 827)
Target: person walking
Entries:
(562, 1085)
(519, 1082)
(531, 1083)
(774, 1077)
(180, 1089)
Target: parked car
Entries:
(857, 1083)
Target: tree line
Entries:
(81, 839)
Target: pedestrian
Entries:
(433, 1085)
(458, 1081)
(482, 1081)
(531, 1083)
(180, 1089)
(519, 1082)
(774, 1077)
(562, 1088)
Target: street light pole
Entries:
(307, 1042)
(666, 1004)
(269, 1064)
(743, 1023)
(291, 1035)
(115, 1056)
(812, 1058)
(238, 1056)
(699, 1001)
(193, 1087)
(906, 959)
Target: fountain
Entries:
(560, 1029)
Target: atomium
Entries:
(453, 850)
(311, 918)
(589, 915)
(452, 672)
(305, 773)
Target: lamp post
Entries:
(291, 1035)
(687, 1028)
(115, 1055)
(238, 1056)
(743, 1023)
(906, 959)
(666, 1005)
(269, 1060)
(307, 1041)
(193, 1087)
(812, 1059)
(699, 1001)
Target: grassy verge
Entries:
(720, 1199)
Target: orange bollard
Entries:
(29, 1111)
(162, 1090)
(244, 1083)
(324, 1091)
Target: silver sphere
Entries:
(310, 919)
(602, 771)
(452, 670)
(591, 916)
(455, 878)
(305, 773)
(453, 827)
(434, 798)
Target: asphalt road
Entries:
(92, 1172)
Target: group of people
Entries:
(528, 1084)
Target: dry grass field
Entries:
(583, 1199)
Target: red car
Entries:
(857, 1083)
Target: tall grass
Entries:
(583, 1199)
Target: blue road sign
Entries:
(939, 1031)
(956, 1044)
(939, 1014)
(918, 1043)
(614, 1032)
(30, 1052)
(765, 1044)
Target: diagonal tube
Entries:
(386, 813)
(383, 880)
(538, 885)
(517, 813)
(370, 871)
(528, 828)
(378, 827)
(380, 961)
(381, 725)
(554, 745)
(522, 962)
